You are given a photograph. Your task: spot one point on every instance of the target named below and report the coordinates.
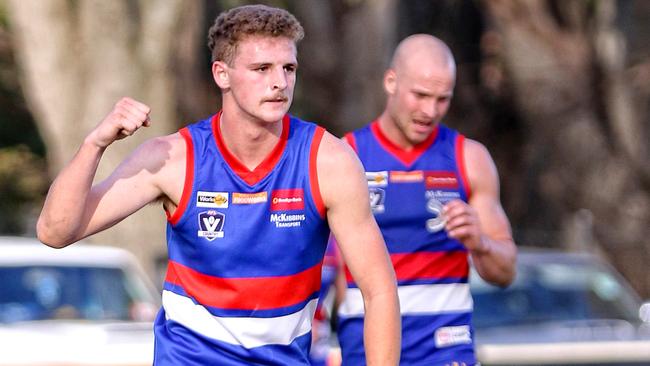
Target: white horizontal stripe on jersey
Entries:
(417, 299)
(248, 332)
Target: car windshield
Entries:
(62, 292)
(545, 292)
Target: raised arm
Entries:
(75, 209)
(345, 194)
(482, 226)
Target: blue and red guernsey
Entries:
(245, 253)
(407, 192)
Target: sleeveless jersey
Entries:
(245, 253)
(407, 192)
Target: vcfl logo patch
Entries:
(211, 224)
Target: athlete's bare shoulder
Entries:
(476, 149)
(340, 173)
(481, 169)
(336, 152)
(172, 146)
(171, 152)
(156, 153)
(161, 161)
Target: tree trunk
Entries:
(348, 44)
(78, 58)
(565, 62)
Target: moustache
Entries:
(276, 98)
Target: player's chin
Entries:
(274, 111)
(418, 137)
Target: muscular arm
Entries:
(482, 226)
(75, 209)
(345, 194)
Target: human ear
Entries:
(390, 81)
(220, 74)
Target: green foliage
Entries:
(3, 14)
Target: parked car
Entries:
(562, 309)
(81, 305)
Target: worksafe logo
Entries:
(211, 224)
(212, 199)
(377, 179)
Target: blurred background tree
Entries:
(559, 92)
(23, 179)
(77, 58)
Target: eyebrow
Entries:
(260, 64)
(418, 90)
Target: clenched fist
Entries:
(127, 116)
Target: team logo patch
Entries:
(377, 197)
(377, 179)
(249, 198)
(438, 221)
(450, 336)
(211, 224)
(212, 199)
(406, 177)
(441, 179)
(287, 199)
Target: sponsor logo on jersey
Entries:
(377, 197)
(440, 179)
(377, 179)
(211, 224)
(249, 198)
(406, 177)
(450, 336)
(442, 196)
(287, 199)
(284, 220)
(212, 199)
